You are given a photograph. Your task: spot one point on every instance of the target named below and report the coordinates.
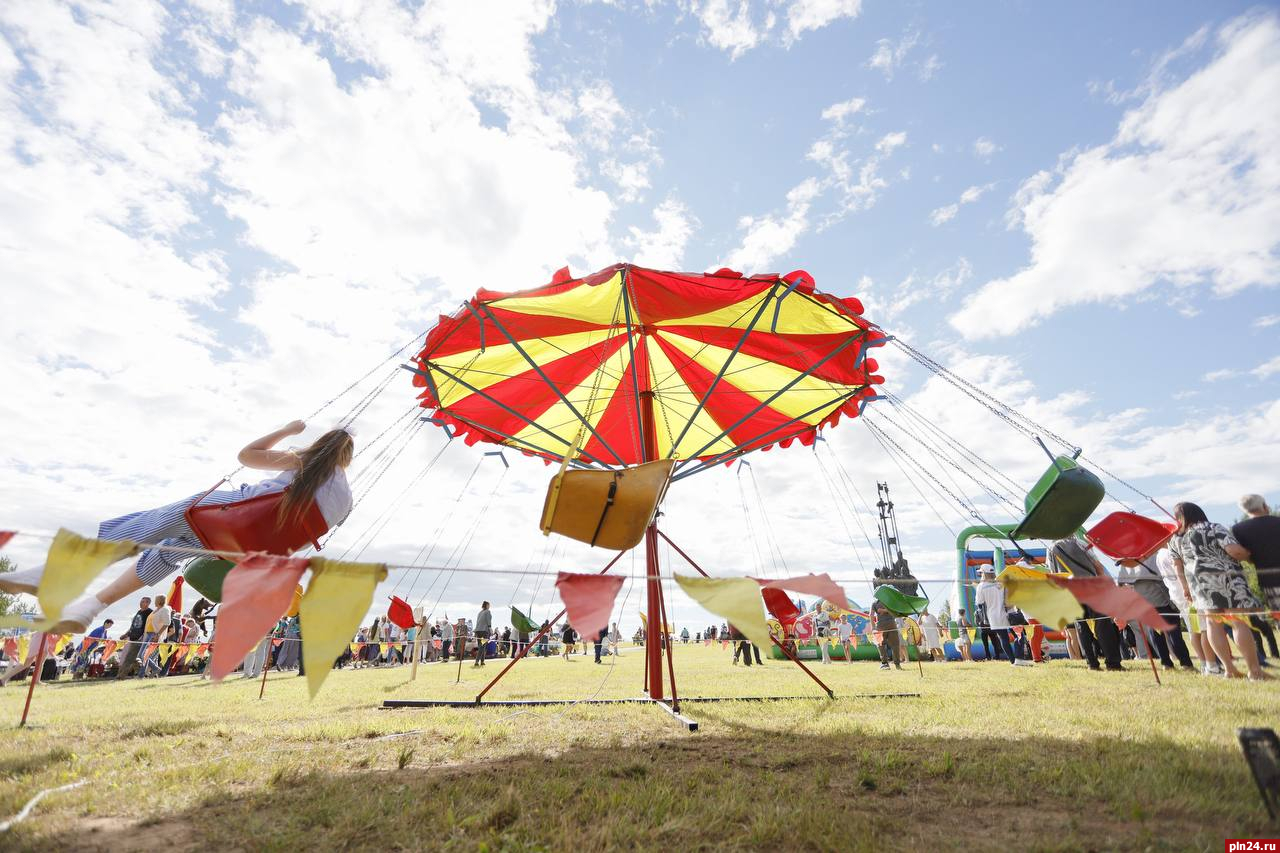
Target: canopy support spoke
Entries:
(501, 405)
(547, 379)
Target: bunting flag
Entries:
(151, 648)
(295, 603)
(400, 613)
(192, 652)
(254, 594)
(735, 599)
(24, 646)
(175, 594)
(204, 647)
(588, 599)
(62, 641)
(522, 623)
(355, 648)
(898, 602)
(820, 585)
(1110, 599)
(335, 602)
(1017, 630)
(973, 635)
(11, 648)
(382, 649)
(166, 652)
(1031, 592)
(72, 562)
(276, 642)
(5, 536)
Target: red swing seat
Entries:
(780, 607)
(1126, 536)
(253, 524)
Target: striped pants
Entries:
(164, 525)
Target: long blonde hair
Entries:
(328, 453)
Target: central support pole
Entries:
(654, 624)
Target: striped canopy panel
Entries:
(726, 364)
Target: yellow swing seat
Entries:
(610, 509)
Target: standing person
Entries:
(1145, 577)
(504, 647)
(446, 639)
(314, 474)
(963, 641)
(740, 645)
(484, 624)
(566, 639)
(137, 630)
(1070, 555)
(1259, 535)
(991, 596)
(544, 644)
(887, 625)
(600, 638)
(845, 632)
(1205, 556)
(932, 635)
(157, 627)
(615, 637)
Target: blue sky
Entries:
(215, 215)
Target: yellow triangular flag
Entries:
(72, 562)
(355, 648)
(335, 602)
(382, 649)
(24, 645)
(1031, 592)
(61, 643)
(736, 599)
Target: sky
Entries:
(217, 216)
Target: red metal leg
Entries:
(785, 650)
(539, 636)
(671, 667)
(35, 678)
(653, 644)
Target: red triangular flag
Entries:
(400, 613)
(1121, 603)
(779, 605)
(275, 643)
(5, 536)
(254, 595)
(11, 648)
(588, 600)
(820, 585)
(175, 594)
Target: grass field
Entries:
(987, 757)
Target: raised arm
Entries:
(258, 453)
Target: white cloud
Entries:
(729, 26)
(1270, 368)
(1266, 321)
(889, 56)
(1218, 375)
(1188, 193)
(766, 238)
(804, 15)
(948, 212)
(739, 26)
(930, 68)
(843, 111)
(985, 149)
(663, 247)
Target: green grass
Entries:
(987, 757)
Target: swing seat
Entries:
(1126, 536)
(1060, 501)
(206, 574)
(780, 606)
(606, 508)
(252, 524)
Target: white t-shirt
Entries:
(1169, 574)
(333, 497)
(991, 595)
(846, 631)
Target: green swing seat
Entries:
(206, 574)
(1060, 501)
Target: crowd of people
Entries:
(1218, 585)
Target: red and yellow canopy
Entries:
(712, 364)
